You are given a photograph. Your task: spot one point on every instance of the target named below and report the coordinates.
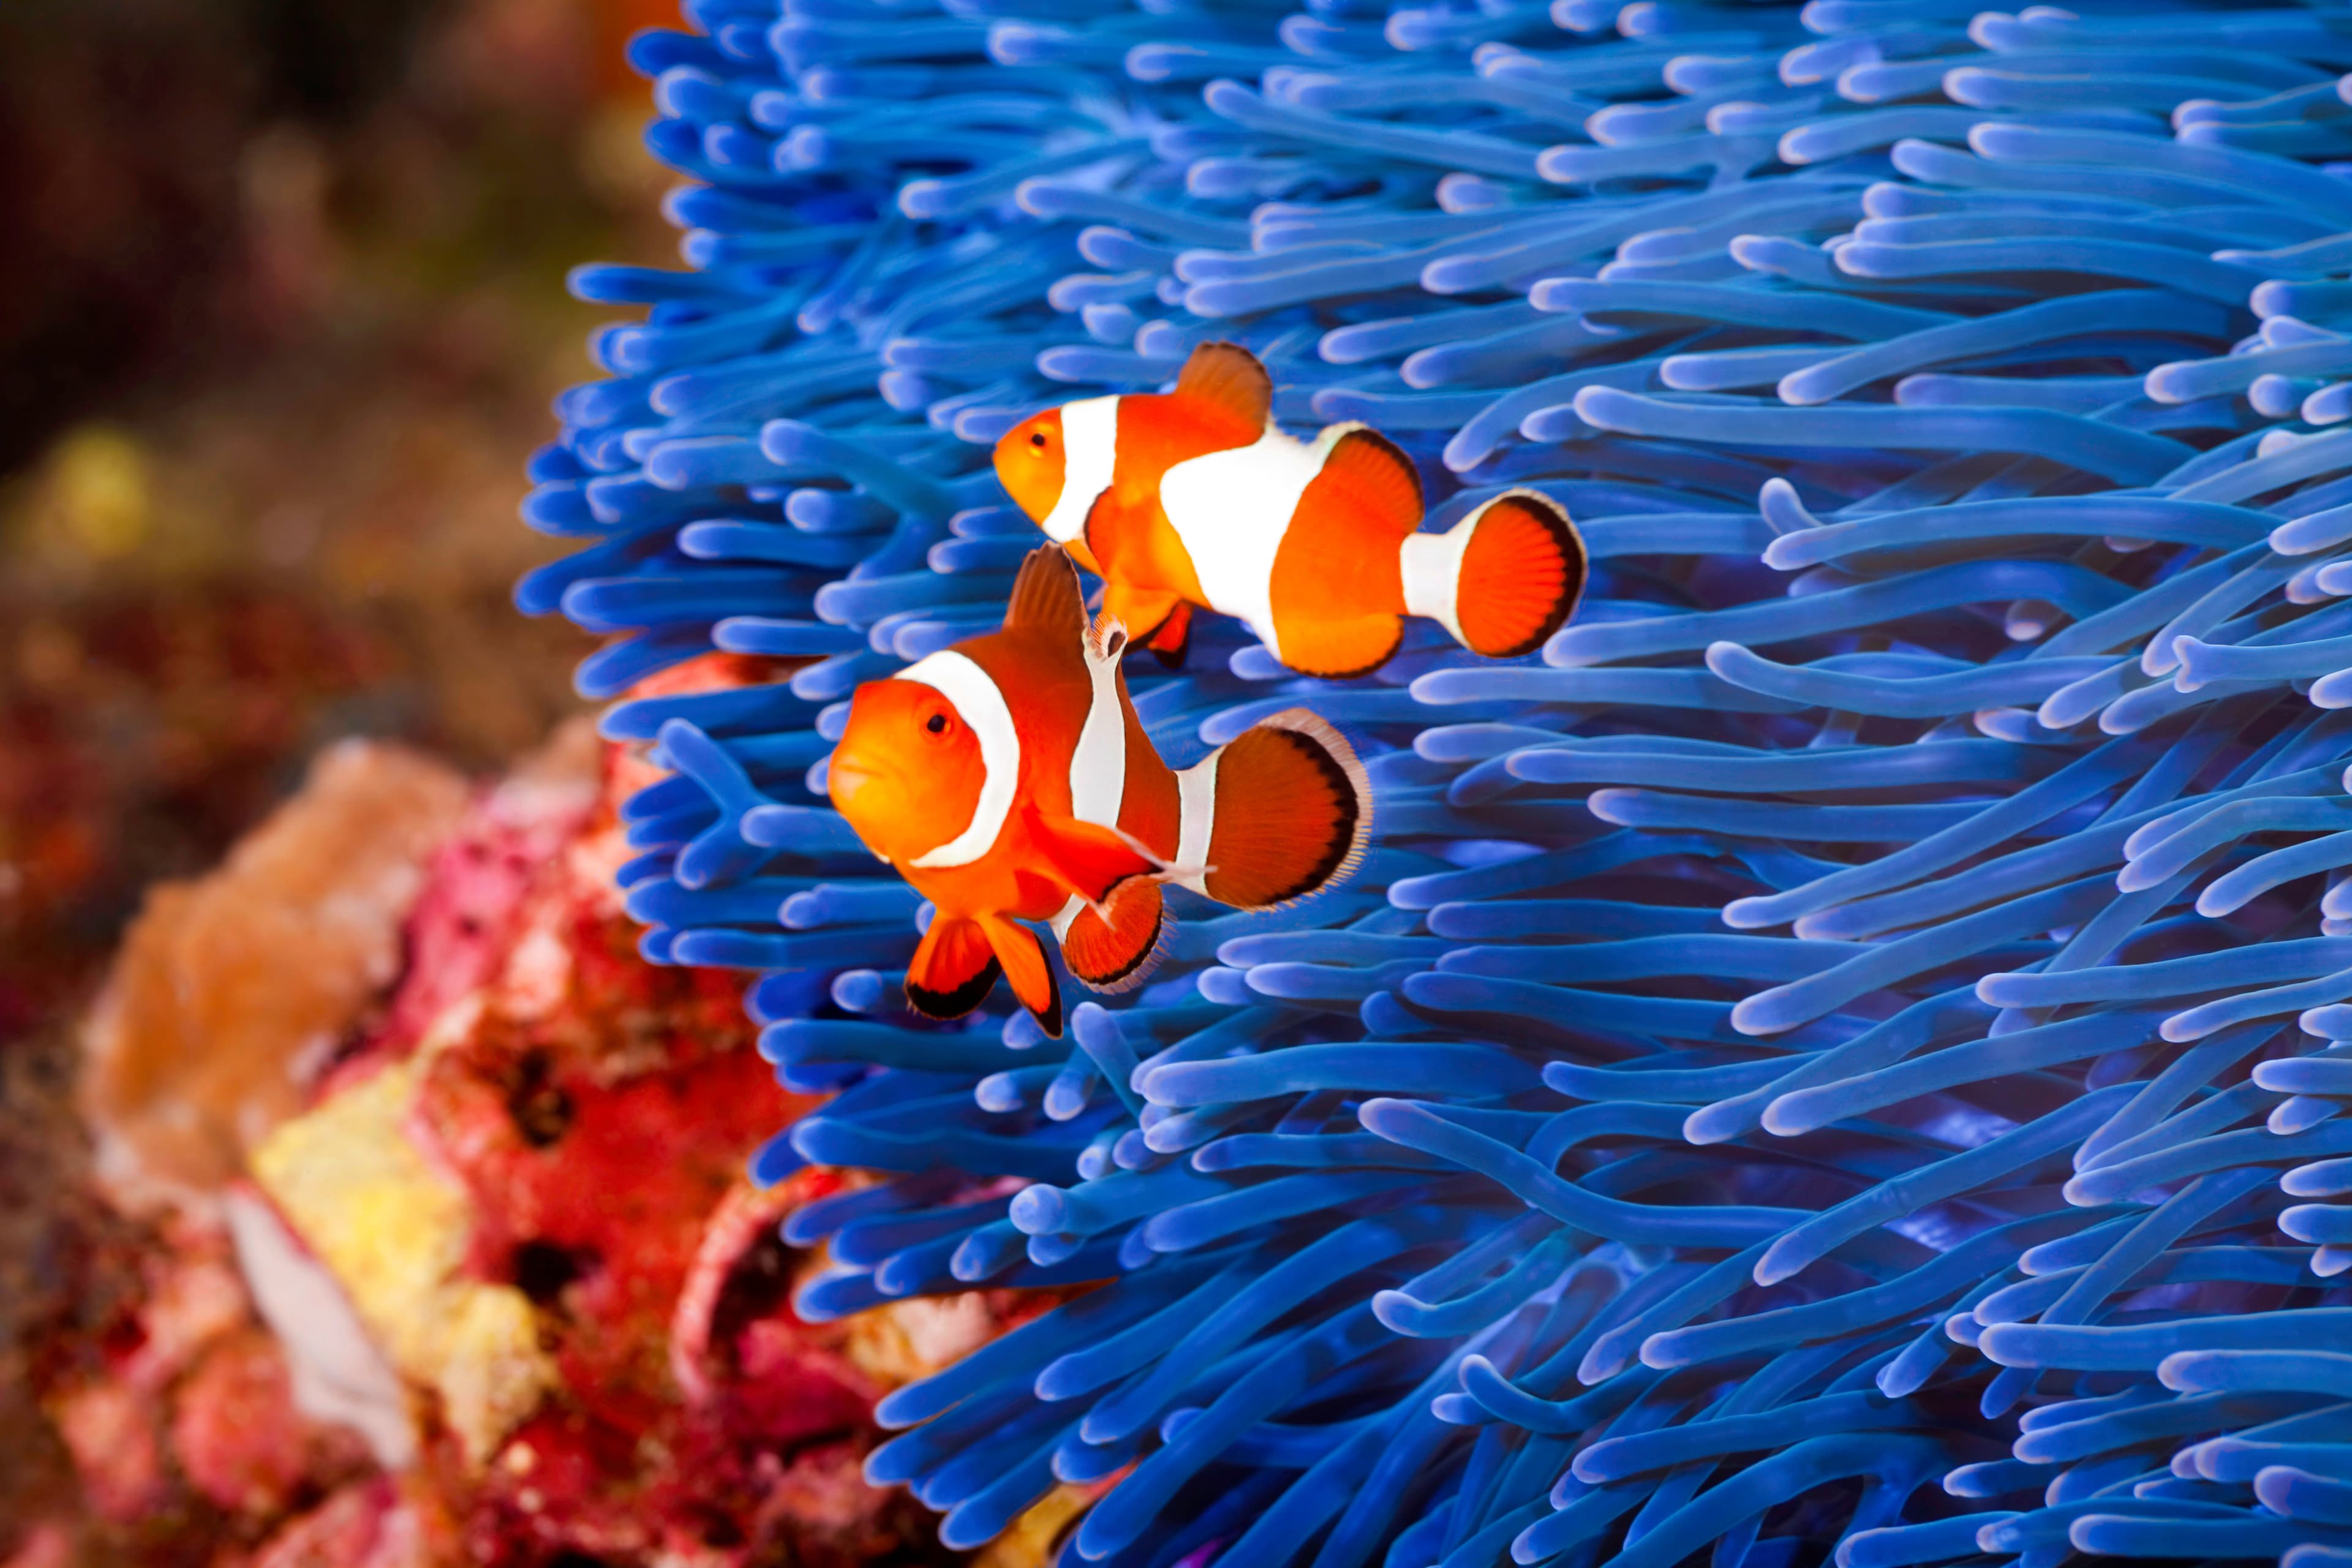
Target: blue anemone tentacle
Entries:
(1877, 977)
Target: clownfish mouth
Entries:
(844, 777)
(847, 779)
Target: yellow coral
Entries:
(393, 1231)
(1030, 1542)
(903, 1341)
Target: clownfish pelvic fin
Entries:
(953, 969)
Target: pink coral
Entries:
(111, 1430)
(578, 1121)
(367, 1524)
(235, 1429)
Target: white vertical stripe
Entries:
(1231, 508)
(1089, 454)
(1196, 821)
(982, 706)
(1065, 916)
(1432, 563)
(1098, 762)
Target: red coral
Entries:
(463, 924)
(604, 1141)
(598, 1111)
(368, 1524)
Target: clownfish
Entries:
(1195, 498)
(1009, 780)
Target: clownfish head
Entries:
(1032, 463)
(909, 774)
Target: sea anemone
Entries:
(1844, 1050)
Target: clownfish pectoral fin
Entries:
(1046, 596)
(1086, 858)
(1229, 377)
(1337, 650)
(1115, 948)
(1160, 622)
(953, 969)
(1026, 969)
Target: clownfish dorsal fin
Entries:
(1046, 596)
(1379, 477)
(1229, 377)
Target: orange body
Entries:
(1009, 780)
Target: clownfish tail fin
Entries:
(1283, 811)
(1503, 579)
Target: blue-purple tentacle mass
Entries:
(1843, 1054)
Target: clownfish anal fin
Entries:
(1116, 948)
(1371, 474)
(1085, 858)
(1025, 969)
(1046, 595)
(953, 969)
(1227, 376)
(1341, 650)
(1160, 622)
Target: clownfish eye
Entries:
(1037, 438)
(937, 723)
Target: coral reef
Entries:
(223, 983)
(1838, 1054)
(425, 1237)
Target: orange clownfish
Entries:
(1195, 498)
(1009, 780)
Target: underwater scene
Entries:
(1534, 782)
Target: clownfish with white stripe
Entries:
(1010, 781)
(1195, 499)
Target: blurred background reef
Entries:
(280, 312)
